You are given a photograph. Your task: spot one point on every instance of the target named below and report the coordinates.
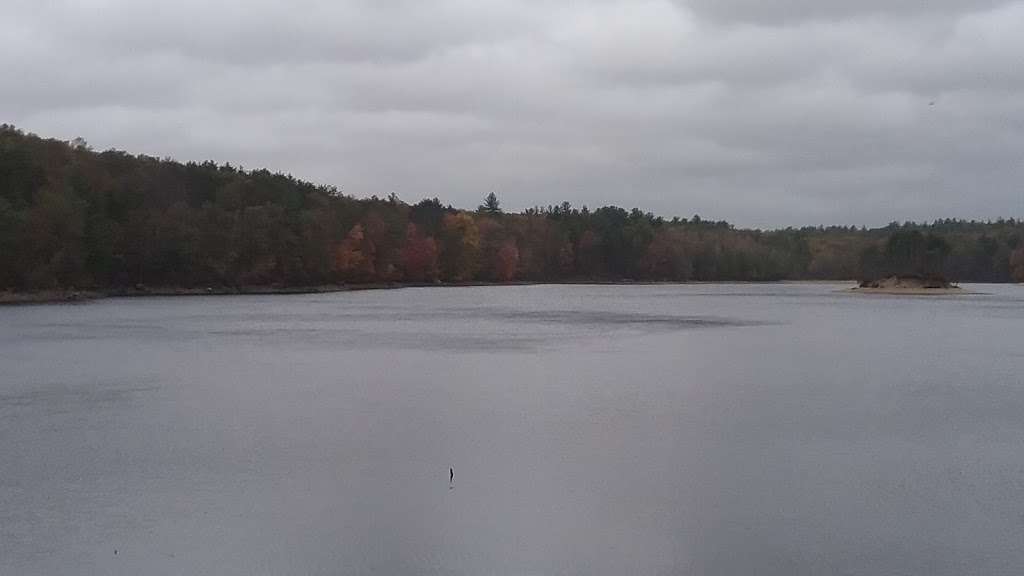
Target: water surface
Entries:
(699, 429)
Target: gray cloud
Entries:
(763, 113)
(782, 11)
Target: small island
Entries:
(909, 263)
(913, 285)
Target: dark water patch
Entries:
(632, 319)
(357, 339)
(90, 330)
(77, 395)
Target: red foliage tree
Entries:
(419, 256)
(1017, 265)
(666, 258)
(506, 261)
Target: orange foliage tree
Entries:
(354, 258)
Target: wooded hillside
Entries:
(71, 217)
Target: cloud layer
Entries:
(764, 113)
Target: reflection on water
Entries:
(702, 429)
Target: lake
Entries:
(776, 429)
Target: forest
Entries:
(75, 218)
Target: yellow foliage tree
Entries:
(460, 247)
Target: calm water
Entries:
(702, 429)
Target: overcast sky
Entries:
(764, 113)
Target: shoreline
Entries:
(8, 298)
(82, 296)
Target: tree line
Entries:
(71, 217)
